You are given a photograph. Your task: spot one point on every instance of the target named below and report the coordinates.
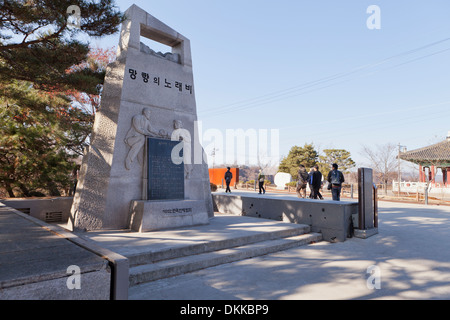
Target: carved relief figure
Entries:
(135, 138)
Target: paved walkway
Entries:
(34, 262)
(411, 253)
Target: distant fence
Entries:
(420, 187)
(348, 190)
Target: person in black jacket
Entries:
(336, 179)
(261, 180)
(316, 183)
(228, 177)
(302, 182)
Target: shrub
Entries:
(291, 184)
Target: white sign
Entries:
(281, 179)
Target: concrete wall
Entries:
(45, 209)
(331, 218)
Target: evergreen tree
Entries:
(42, 132)
(43, 69)
(33, 154)
(339, 156)
(305, 155)
(39, 46)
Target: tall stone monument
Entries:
(145, 169)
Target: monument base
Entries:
(149, 216)
(364, 234)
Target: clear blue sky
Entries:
(313, 70)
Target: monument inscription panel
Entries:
(165, 178)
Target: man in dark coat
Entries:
(302, 182)
(228, 177)
(336, 179)
(261, 180)
(316, 183)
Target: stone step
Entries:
(177, 266)
(183, 250)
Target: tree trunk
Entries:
(9, 189)
(24, 190)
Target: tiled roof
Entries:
(435, 154)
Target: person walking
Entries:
(261, 178)
(228, 177)
(336, 179)
(316, 183)
(302, 182)
(310, 179)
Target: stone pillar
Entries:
(366, 208)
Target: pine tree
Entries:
(39, 46)
(42, 132)
(341, 157)
(305, 155)
(43, 70)
(33, 154)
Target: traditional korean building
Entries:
(431, 160)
